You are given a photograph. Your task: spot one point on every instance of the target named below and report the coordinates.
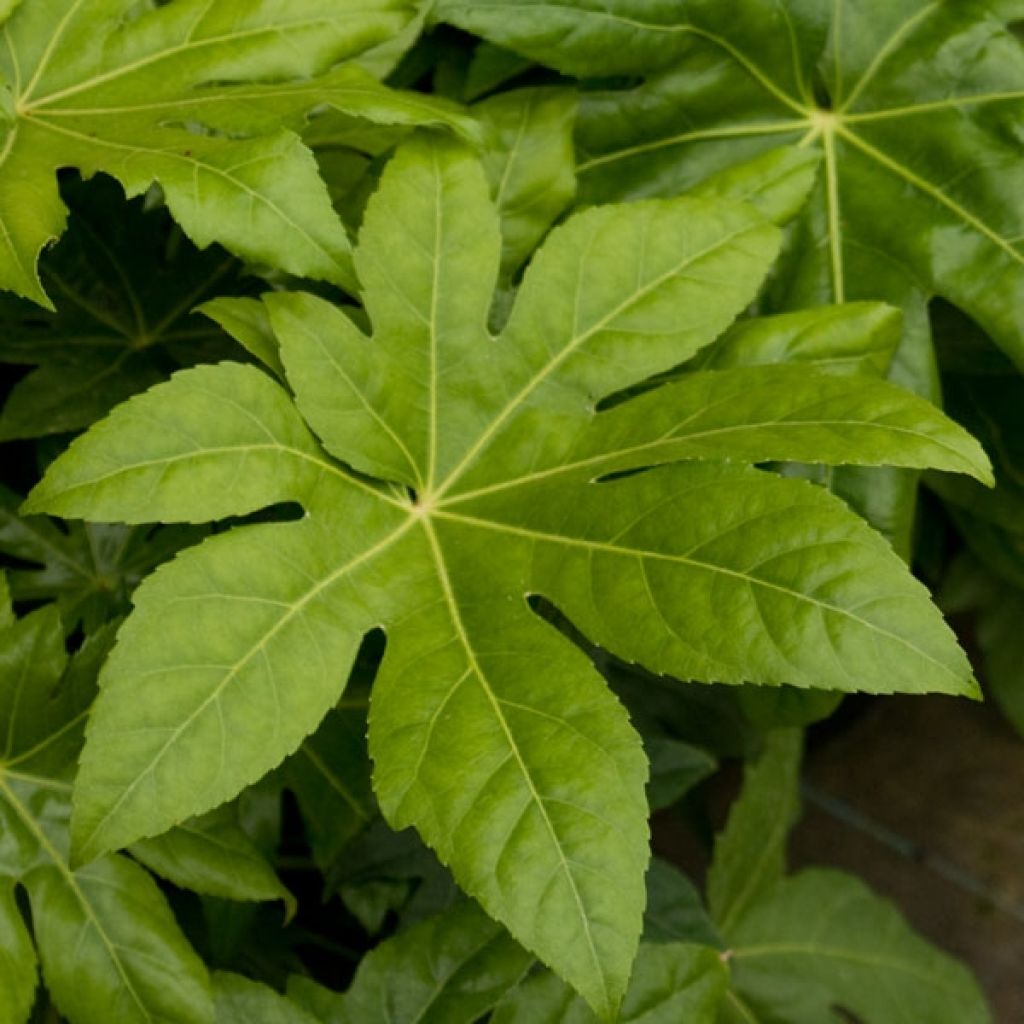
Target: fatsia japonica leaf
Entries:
(109, 946)
(489, 454)
(821, 940)
(89, 569)
(202, 97)
(330, 777)
(449, 969)
(750, 854)
(241, 1001)
(213, 855)
(124, 281)
(671, 982)
(530, 163)
(818, 945)
(893, 94)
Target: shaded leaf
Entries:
(241, 1001)
(450, 969)
(750, 854)
(822, 939)
(125, 283)
(108, 943)
(214, 856)
(671, 983)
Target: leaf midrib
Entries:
(478, 672)
(295, 608)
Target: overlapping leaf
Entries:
(89, 569)
(109, 945)
(490, 454)
(449, 969)
(902, 98)
(203, 98)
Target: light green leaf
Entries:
(822, 939)
(530, 164)
(238, 648)
(858, 337)
(449, 969)
(241, 1001)
(111, 948)
(776, 183)
(108, 942)
(18, 977)
(247, 322)
(671, 983)
(214, 856)
(769, 413)
(750, 854)
(226, 428)
(685, 572)
(101, 91)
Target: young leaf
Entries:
(822, 939)
(750, 855)
(671, 983)
(109, 86)
(450, 969)
(237, 649)
(109, 945)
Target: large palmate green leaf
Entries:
(202, 97)
(109, 945)
(125, 282)
(491, 455)
(900, 96)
